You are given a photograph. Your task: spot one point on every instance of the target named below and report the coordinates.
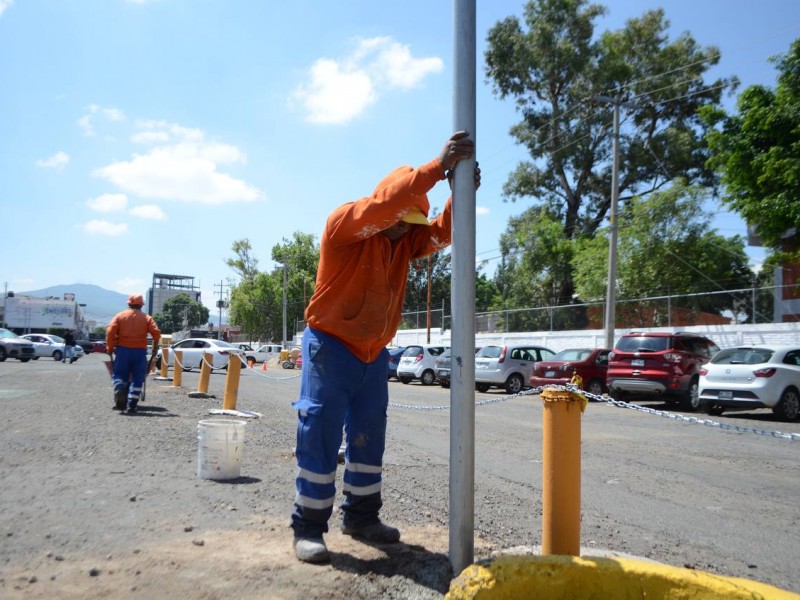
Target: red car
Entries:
(590, 364)
(99, 346)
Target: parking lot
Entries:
(84, 488)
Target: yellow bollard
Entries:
(164, 361)
(177, 369)
(232, 383)
(205, 373)
(561, 472)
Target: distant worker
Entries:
(69, 347)
(126, 344)
(354, 312)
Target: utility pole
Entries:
(220, 305)
(429, 299)
(283, 342)
(611, 289)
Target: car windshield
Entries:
(572, 354)
(489, 352)
(742, 356)
(7, 334)
(643, 343)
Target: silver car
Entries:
(50, 346)
(508, 367)
(13, 346)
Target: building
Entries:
(165, 287)
(26, 314)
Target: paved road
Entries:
(681, 493)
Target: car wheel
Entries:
(595, 387)
(2, 354)
(405, 380)
(514, 383)
(715, 410)
(23, 359)
(788, 408)
(691, 401)
(427, 377)
(57, 355)
(482, 387)
(616, 394)
(35, 358)
(158, 363)
(445, 384)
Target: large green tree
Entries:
(667, 248)
(757, 151)
(181, 312)
(555, 68)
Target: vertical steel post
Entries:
(285, 344)
(462, 302)
(611, 290)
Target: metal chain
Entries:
(620, 404)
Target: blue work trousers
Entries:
(130, 365)
(337, 390)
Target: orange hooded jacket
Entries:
(361, 279)
(129, 328)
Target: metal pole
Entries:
(5, 297)
(284, 306)
(429, 300)
(611, 290)
(462, 303)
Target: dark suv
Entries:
(659, 364)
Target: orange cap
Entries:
(135, 300)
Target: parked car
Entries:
(50, 346)
(442, 367)
(665, 365)
(750, 377)
(87, 345)
(417, 363)
(13, 346)
(193, 350)
(394, 360)
(590, 364)
(100, 346)
(508, 367)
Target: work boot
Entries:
(311, 549)
(120, 399)
(377, 532)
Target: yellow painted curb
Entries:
(573, 578)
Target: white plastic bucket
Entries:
(219, 448)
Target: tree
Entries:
(243, 263)
(181, 312)
(758, 154)
(554, 72)
(667, 228)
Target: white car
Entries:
(417, 363)
(508, 367)
(263, 353)
(749, 377)
(50, 346)
(193, 349)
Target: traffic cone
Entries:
(264, 366)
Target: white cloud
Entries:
(130, 285)
(4, 4)
(339, 91)
(108, 203)
(86, 122)
(482, 210)
(185, 171)
(149, 211)
(150, 137)
(98, 227)
(58, 161)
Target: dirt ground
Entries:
(100, 505)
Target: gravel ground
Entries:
(94, 504)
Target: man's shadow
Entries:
(416, 563)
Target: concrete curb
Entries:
(510, 577)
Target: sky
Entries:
(147, 136)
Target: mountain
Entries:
(101, 304)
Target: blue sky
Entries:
(147, 136)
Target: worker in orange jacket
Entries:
(353, 314)
(126, 343)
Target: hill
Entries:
(101, 304)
